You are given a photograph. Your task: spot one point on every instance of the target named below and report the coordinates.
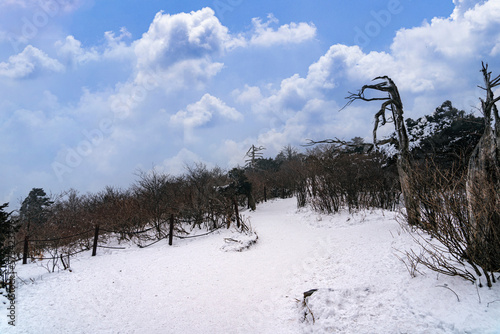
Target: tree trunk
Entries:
(406, 180)
(483, 185)
(393, 104)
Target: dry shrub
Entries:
(450, 242)
(348, 180)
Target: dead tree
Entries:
(253, 154)
(483, 183)
(392, 103)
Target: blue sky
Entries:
(91, 91)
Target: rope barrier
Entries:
(199, 235)
(124, 232)
(112, 247)
(62, 238)
(109, 247)
(153, 242)
(57, 257)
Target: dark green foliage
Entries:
(268, 164)
(448, 136)
(242, 186)
(34, 209)
(7, 231)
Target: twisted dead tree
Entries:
(392, 103)
(483, 184)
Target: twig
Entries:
(477, 290)
(488, 305)
(446, 287)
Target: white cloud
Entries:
(249, 95)
(172, 38)
(29, 62)
(188, 74)
(292, 33)
(180, 49)
(462, 6)
(202, 112)
(71, 49)
(116, 48)
(206, 110)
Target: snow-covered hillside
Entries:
(197, 287)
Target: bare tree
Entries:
(392, 103)
(483, 182)
(153, 190)
(253, 154)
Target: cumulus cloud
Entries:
(250, 95)
(71, 49)
(172, 38)
(29, 62)
(292, 33)
(180, 49)
(462, 6)
(202, 112)
(207, 109)
(116, 47)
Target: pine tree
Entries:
(34, 209)
(7, 230)
(242, 185)
(447, 136)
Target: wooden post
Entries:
(96, 236)
(236, 212)
(171, 230)
(25, 250)
(265, 194)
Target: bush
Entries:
(450, 242)
(341, 179)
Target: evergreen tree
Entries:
(448, 135)
(242, 185)
(34, 209)
(7, 230)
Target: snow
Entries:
(200, 286)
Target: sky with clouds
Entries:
(91, 91)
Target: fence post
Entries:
(236, 213)
(171, 230)
(25, 250)
(265, 194)
(96, 236)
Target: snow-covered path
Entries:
(195, 287)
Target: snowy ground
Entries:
(197, 287)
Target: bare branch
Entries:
(340, 143)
